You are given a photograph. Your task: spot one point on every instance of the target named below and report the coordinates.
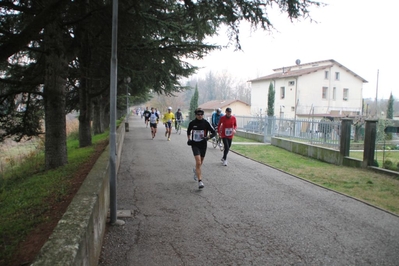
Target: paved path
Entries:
(247, 214)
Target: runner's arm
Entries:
(212, 130)
(189, 131)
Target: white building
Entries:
(323, 88)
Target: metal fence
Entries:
(326, 133)
(316, 131)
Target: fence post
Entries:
(345, 138)
(369, 142)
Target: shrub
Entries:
(388, 164)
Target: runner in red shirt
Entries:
(227, 128)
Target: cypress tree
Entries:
(270, 100)
(193, 104)
(390, 107)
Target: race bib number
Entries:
(198, 135)
(228, 132)
(153, 119)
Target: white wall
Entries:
(259, 92)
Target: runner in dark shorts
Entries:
(197, 137)
(146, 115)
(153, 118)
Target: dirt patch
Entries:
(30, 247)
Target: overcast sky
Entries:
(359, 34)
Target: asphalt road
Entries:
(247, 214)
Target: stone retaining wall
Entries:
(78, 237)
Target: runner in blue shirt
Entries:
(216, 117)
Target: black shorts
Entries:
(168, 124)
(154, 125)
(146, 119)
(199, 150)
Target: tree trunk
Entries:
(98, 116)
(85, 58)
(84, 115)
(54, 97)
(106, 113)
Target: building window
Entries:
(337, 75)
(292, 108)
(291, 83)
(326, 74)
(324, 93)
(282, 92)
(334, 93)
(345, 94)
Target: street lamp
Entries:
(127, 81)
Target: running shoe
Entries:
(200, 184)
(225, 162)
(222, 160)
(168, 139)
(195, 175)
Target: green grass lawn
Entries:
(380, 156)
(374, 188)
(241, 139)
(27, 192)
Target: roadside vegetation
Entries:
(29, 194)
(388, 159)
(373, 188)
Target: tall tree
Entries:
(193, 104)
(243, 92)
(270, 100)
(226, 86)
(54, 96)
(390, 107)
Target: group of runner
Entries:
(152, 118)
(199, 131)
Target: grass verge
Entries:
(28, 194)
(373, 188)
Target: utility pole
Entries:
(112, 135)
